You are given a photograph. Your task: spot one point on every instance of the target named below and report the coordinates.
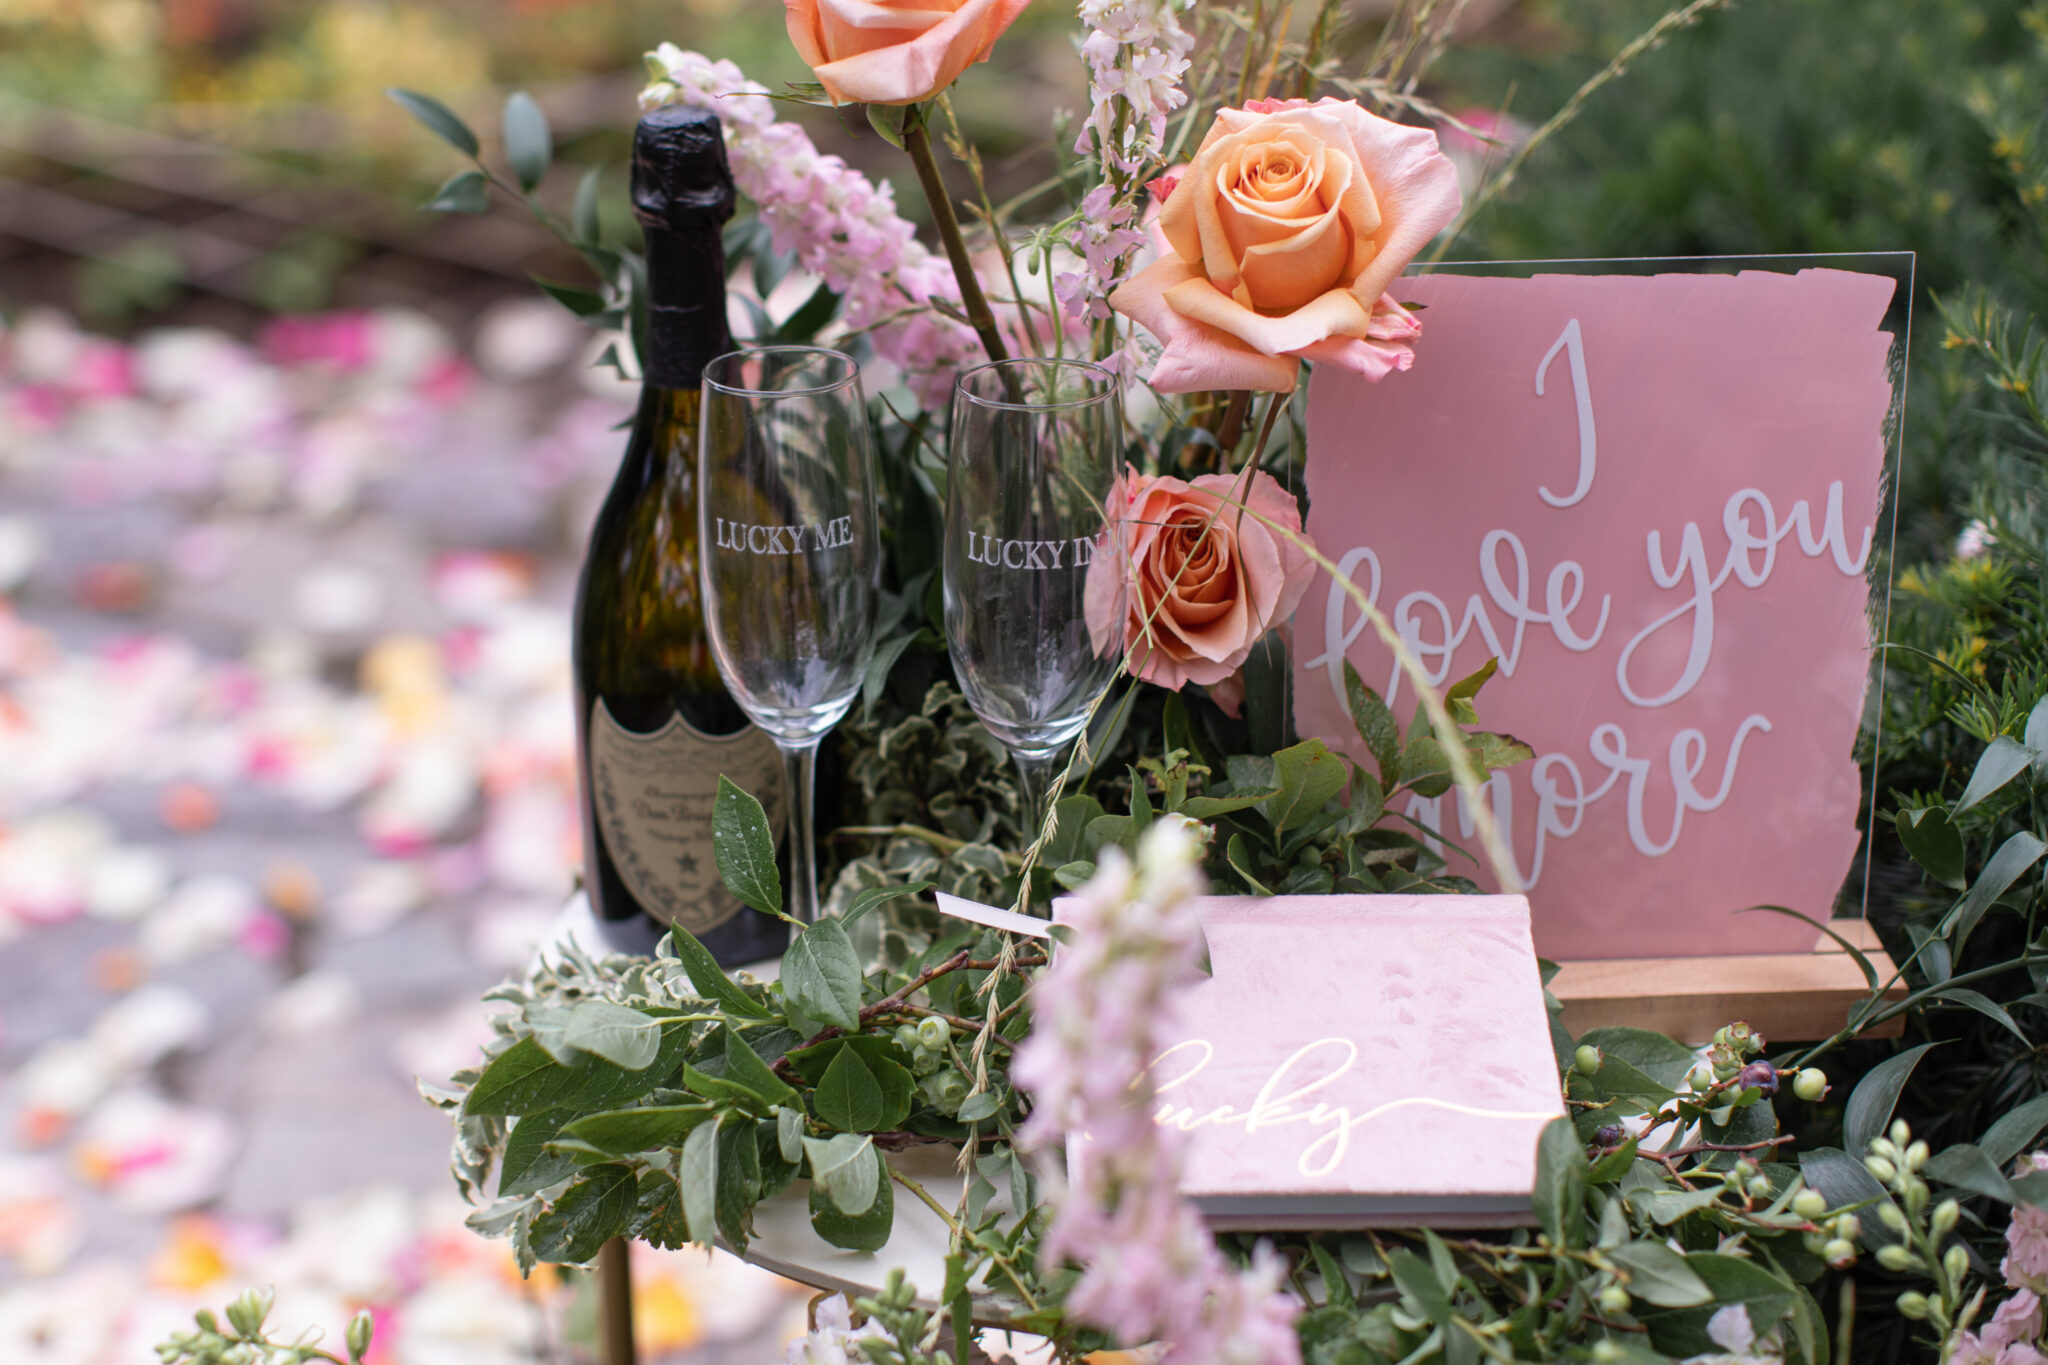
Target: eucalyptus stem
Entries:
(979, 315)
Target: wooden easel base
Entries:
(1788, 997)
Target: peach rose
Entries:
(895, 51)
(1284, 233)
(1215, 591)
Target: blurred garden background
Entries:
(293, 481)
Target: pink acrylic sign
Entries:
(1653, 499)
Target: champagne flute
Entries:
(789, 556)
(1034, 559)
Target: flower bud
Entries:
(1901, 1133)
(1816, 1242)
(1895, 1256)
(1881, 1168)
(1809, 1204)
(1916, 1156)
(206, 1320)
(244, 1314)
(1956, 1261)
(358, 1339)
(1700, 1079)
(1943, 1221)
(1605, 1351)
(1810, 1084)
(933, 1032)
(1883, 1146)
(1839, 1253)
(1913, 1304)
(1586, 1061)
(1745, 1168)
(1759, 1187)
(1915, 1192)
(906, 1037)
(1614, 1299)
(1848, 1225)
(1889, 1215)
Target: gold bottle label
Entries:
(654, 793)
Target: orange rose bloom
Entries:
(895, 51)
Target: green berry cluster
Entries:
(1895, 1159)
(1734, 1045)
(940, 1078)
(244, 1343)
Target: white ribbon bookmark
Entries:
(989, 917)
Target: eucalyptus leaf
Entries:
(463, 192)
(583, 214)
(438, 119)
(528, 144)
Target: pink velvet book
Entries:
(1362, 1060)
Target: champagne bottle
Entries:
(656, 727)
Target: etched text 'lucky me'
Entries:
(755, 539)
(1077, 553)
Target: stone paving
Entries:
(285, 783)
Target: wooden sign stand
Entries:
(1788, 997)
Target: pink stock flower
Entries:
(1287, 229)
(2026, 1238)
(1150, 1269)
(1207, 579)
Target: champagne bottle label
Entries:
(654, 794)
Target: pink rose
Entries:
(1215, 592)
(1285, 231)
(895, 51)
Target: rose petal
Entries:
(1197, 356)
(878, 53)
(1334, 312)
(1373, 360)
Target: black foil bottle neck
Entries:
(683, 195)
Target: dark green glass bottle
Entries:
(656, 727)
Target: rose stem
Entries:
(975, 302)
(1232, 427)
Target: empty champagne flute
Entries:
(789, 556)
(1034, 559)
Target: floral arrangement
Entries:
(661, 1100)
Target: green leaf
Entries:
(528, 145)
(1935, 843)
(1424, 769)
(1071, 818)
(583, 216)
(1618, 1077)
(1336, 1284)
(1074, 875)
(1971, 1169)
(1209, 807)
(624, 1037)
(888, 120)
(849, 1098)
(2003, 760)
(697, 1173)
(821, 975)
(1458, 699)
(1659, 1275)
(745, 848)
(709, 979)
(584, 303)
(463, 192)
(1141, 802)
(438, 119)
(1871, 1103)
(1376, 725)
(1730, 1280)
(2013, 858)
(744, 1067)
(1667, 1206)
(523, 1079)
(1846, 1182)
(527, 1166)
(809, 319)
(658, 1220)
(2003, 1140)
(1308, 776)
(879, 665)
(1656, 1056)
(978, 1106)
(1239, 855)
(846, 1167)
(2036, 737)
(1985, 1006)
(789, 1134)
(591, 1211)
(1417, 1280)
(1613, 1166)
(739, 1182)
(880, 895)
(622, 1132)
(867, 1231)
(1561, 1183)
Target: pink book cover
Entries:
(1362, 1060)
